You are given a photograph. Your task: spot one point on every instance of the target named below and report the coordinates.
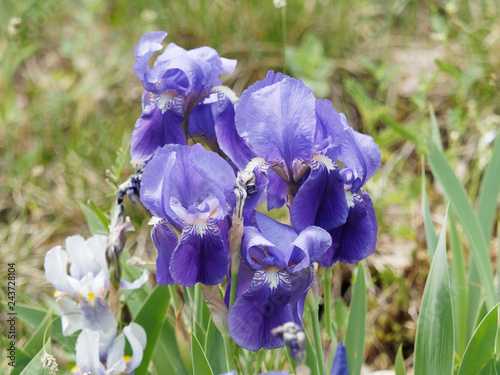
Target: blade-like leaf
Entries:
(150, 317)
(430, 233)
(459, 289)
(93, 221)
(481, 347)
(490, 188)
(200, 362)
(213, 348)
(463, 208)
(166, 357)
(356, 324)
(399, 366)
(311, 357)
(434, 340)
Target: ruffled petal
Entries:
(264, 306)
(361, 154)
(136, 336)
(201, 256)
(320, 200)
(147, 46)
(340, 366)
(155, 128)
(281, 121)
(165, 241)
(358, 236)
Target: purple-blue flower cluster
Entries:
(298, 149)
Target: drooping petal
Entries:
(165, 241)
(313, 243)
(115, 361)
(281, 121)
(99, 317)
(155, 128)
(320, 200)
(127, 285)
(264, 306)
(301, 282)
(360, 153)
(358, 236)
(228, 138)
(340, 366)
(202, 121)
(87, 353)
(136, 336)
(56, 261)
(201, 256)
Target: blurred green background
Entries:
(69, 100)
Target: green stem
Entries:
(228, 345)
(258, 360)
(318, 346)
(327, 272)
(175, 298)
(234, 285)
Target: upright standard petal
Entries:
(136, 336)
(55, 265)
(147, 46)
(329, 129)
(281, 121)
(201, 256)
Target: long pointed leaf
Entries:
(434, 341)
(430, 233)
(200, 362)
(356, 324)
(399, 367)
(481, 347)
(463, 208)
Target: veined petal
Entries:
(301, 282)
(360, 153)
(136, 336)
(165, 241)
(201, 256)
(320, 200)
(276, 191)
(155, 128)
(340, 366)
(228, 138)
(281, 121)
(87, 353)
(357, 238)
(264, 306)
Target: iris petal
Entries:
(264, 306)
(165, 241)
(201, 256)
(340, 366)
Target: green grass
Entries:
(69, 98)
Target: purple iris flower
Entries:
(189, 188)
(356, 239)
(181, 90)
(275, 273)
